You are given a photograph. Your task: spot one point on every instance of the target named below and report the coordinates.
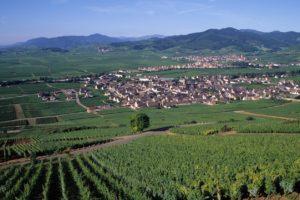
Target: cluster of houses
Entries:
(154, 91)
(213, 61)
(49, 96)
(256, 80)
(70, 94)
(94, 109)
(199, 62)
(85, 93)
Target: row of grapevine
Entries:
(83, 189)
(46, 185)
(19, 184)
(10, 181)
(100, 186)
(62, 181)
(120, 184)
(31, 183)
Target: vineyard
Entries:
(165, 167)
(7, 113)
(18, 147)
(53, 108)
(291, 109)
(253, 126)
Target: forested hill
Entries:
(216, 39)
(68, 42)
(212, 39)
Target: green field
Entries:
(30, 99)
(24, 89)
(31, 64)
(232, 71)
(51, 108)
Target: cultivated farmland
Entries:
(166, 167)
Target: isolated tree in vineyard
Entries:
(139, 122)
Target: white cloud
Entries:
(193, 7)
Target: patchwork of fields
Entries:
(72, 127)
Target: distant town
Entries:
(221, 61)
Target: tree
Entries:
(33, 157)
(250, 118)
(139, 122)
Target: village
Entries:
(220, 61)
(154, 91)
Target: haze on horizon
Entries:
(22, 20)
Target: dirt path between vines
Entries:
(114, 142)
(50, 86)
(264, 116)
(19, 111)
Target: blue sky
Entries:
(24, 19)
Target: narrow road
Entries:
(79, 103)
(293, 100)
(13, 97)
(50, 86)
(114, 142)
(264, 116)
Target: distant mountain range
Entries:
(67, 42)
(212, 39)
(216, 39)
